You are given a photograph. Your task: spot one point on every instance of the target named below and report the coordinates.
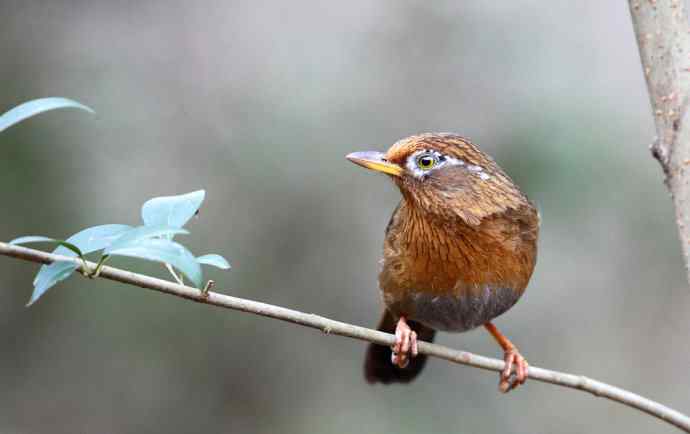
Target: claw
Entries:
(414, 347)
(405, 345)
(399, 360)
(510, 381)
(512, 357)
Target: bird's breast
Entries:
(455, 278)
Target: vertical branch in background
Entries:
(663, 37)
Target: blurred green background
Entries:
(258, 102)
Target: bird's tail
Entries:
(377, 364)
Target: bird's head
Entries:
(446, 176)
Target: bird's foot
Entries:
(405, 344)
(510, 381)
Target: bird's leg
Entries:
(405, 344)
(512, 357)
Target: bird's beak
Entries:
(375, 161)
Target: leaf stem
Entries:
(178, 279)
(99, 266)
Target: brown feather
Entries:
(460, 247)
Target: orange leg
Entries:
(405, 344)
(511, 357)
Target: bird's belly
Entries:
(454, 312)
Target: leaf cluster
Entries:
(163, 218)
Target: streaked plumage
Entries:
(460, 247)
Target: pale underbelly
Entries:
(454, 313)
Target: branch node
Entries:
(209, 286)
(660, 151)
(585, 383)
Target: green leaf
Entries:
(166, 251)
(97, 237)
(88, 241)
(173, 211)
(58, 271)
(40, 239)
(34, 107)
(83, 242)
(214, 260)
(140, 233)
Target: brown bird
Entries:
(459, 251)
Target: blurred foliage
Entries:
(259, 102)
(34, 107)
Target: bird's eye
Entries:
(426, 161)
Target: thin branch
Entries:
(662, 31)
(329, 326)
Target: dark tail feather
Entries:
(377, 364)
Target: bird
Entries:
(459, 250)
